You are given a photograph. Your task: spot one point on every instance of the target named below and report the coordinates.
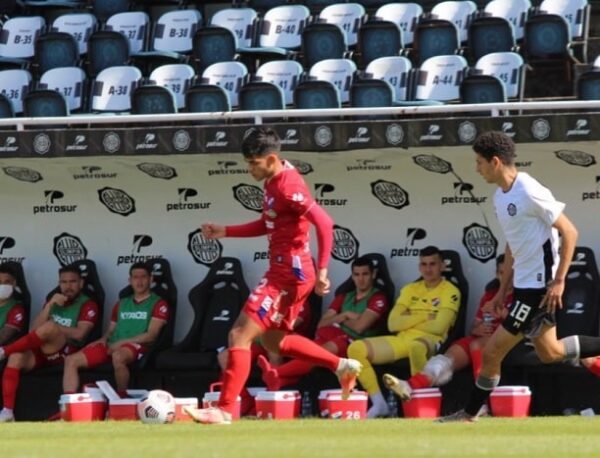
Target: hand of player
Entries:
(213, 231)
(323, 285)
(58, 299)
(553, 297)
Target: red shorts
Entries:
(335, 335)
(465, 343)
(97, 354)
(275, 305)
(55, 359)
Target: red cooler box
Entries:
(180, 403)
(353, 408)
(424, 403)
(123, 409)
(510, 401)
(278, 405)
(83, 407)
(323, 408)
(211, 398)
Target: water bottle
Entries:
(392, 403)
(307, 410)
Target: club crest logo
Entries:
(480, 242)
(42, 144)
(23, 174)
(69, 248)
(323, 136)
(111, 142)
(540, 129)
(432, 163)
(345, 245)
(181, 140)
(574, 157)
(251, 197)
(390, 194)
(394, 134)
(467, 132)
(204, 251)
(117, 201)
(157, 170)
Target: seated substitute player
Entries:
(439, 369)
(12, 312)
(136, 322)
(351, 316)
(419, 321)
(272, 308)
(60, 328)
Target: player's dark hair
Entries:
(430, 251)
(140, 265)
(498, 144)
(70, 269)
(363, 261)
(4, 269)
(261, 141)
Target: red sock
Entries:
(10, 383)
(247, 404)
(30, 341)
(297, 346)
(477, 361)
(294, 369)
(419, 380)
(234, 377)
(272, 377)
(595, 368)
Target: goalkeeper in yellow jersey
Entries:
(419, 322)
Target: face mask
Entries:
(5, 291)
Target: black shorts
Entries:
(526, 316)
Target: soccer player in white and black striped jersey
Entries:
(532, 220)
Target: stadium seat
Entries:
(18, 37)
(340, 72)
(153, 99)
(21, 293)
(405, 15)
(283, 73)
(348, 16)
(177, 77)
(546, 38)
(213, 44)
(482, 89)
(489, 35)
(54, 50)
(322, 41)
(68, 81)
(439, 78)
(206, 98)
(396, 71)
(378, 39)
(262, 6)
(164, 286)
(577, 14)
(216, 301)
(103, 9)
(316, 95)
(44, 103)
(111, 91)
(261, 95)
(241, 21)
(371, 93)
(14, 84)
(79, 25)
(514, 11)
(459, 13)
(231, 76)
(6, 109)
(588, 85)
(509, 68)
(106, 49)
(134, 25)
(434, 37)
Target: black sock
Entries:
(589, 346)
(478, 397)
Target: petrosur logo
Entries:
(140, 242)
(204, 251)
(6, 243)
(463, 194)
(184, 204)
(78, 144)
(93, 172)
(219, 140)
(361, 135)
(413, 234)
(148, 143)
(10, 145)
(580, 129)
(68, 249)
(367, 165)
(251, 197)
(592, 195)
(432, 134)
(227, 168)
(321, 191)
(291, 137)
(51, 206)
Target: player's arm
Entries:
(251, 229)
(88, 316)
(333, 314)
(569, 234)
(324, 228)
(438, 323)
(375, 309)
(147, 337)
(15, 323)
(505, 280)
(401, 317)
(44, 314)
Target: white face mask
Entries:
(5, 291)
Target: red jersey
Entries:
(16, 317)
(286, 201)
(488, 296)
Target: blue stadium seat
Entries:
(316, 95)
(509, 68)
(177, 77)
(134, 25)
(6, 109)
(434, 37)
(395, 70)
(482, 89)
(546, 38)
(322, 41)
(489, 34)
(241, 21)
(588, 85)
(405, 15)
(231, 76)
(206, 98)
(54, 50)
(378, 39)
(459, 13)
(106, 49)
(44, 103)
(514, 11)
(283, 73)
(261, 95)
(103, 9)
(152, 99)
(79, 25)
(348, 16)
(371, 93)
(340, 72)
(577, 14)
(213, 44)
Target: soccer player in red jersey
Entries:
(272, 308)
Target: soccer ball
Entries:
(158, 407)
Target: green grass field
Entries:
(550, 436)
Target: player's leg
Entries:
(550, 349)
(40, 337)
(122, 359)
(11, 376)
(592, 364)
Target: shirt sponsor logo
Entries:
(511, 209)
(67, 322)
(139, 315)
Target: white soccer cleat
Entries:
(401, 387)
(209, 416)
(6, 416)
(347, 371)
